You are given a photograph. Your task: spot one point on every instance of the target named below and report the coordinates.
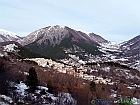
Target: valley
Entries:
(73, 68)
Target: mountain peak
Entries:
(55, 34)
(57, 41)
(51, 34)
(97, 38)
(5, 32)
(8, 36)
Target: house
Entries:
(70, 72)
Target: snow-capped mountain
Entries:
(127, 53)
(131, 51)
(52, 33)
(60, 41)
(55, 34)
(8, 36)
(63, 42)
(132, 44)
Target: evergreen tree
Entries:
(75, 68)
(92, 86)
(32, 80)
(50, 87)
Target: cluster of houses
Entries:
(79, 72)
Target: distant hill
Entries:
(16, 50)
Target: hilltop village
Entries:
(79, 71)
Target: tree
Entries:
(32, 80)
(75, 68)
(92, 86)
(50, 87)
(47, 63)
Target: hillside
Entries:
(16, 50)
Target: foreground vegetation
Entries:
(82, 90)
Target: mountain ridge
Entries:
(55, 31)
(8, 36)
(63, 42)
(52, 38)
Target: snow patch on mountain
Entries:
(53, 34)
(113, 47)
(83, 31)
(8, 36)
(10, 48)
(5, 32)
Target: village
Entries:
(76, 71)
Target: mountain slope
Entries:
(8, 36)
(132, 47)
(54, 34)
(131, 44)
(131, 50)
(58, 42)
(97, 38)
(14, 49)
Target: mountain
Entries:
(131, 44)
(93, 68)
(97, 38)
(14, 49)
(8, 36)
(131, 51)
(59, 42)
(126, 53)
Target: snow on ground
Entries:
(10, 47)
(121, 59)
(41, 88)
(136, 85)
(22, 94)
(136, 65)
(83, 31)
(1, 55)
(107, 69)
(21, 88)
(51, 96)
(113, 95)
(26, 73)
(81, 62)
(7, 99)
(110, 47)
(137, 101)
(65, 98)
(3, 103)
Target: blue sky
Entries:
(114, 20)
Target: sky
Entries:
(114, 20)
